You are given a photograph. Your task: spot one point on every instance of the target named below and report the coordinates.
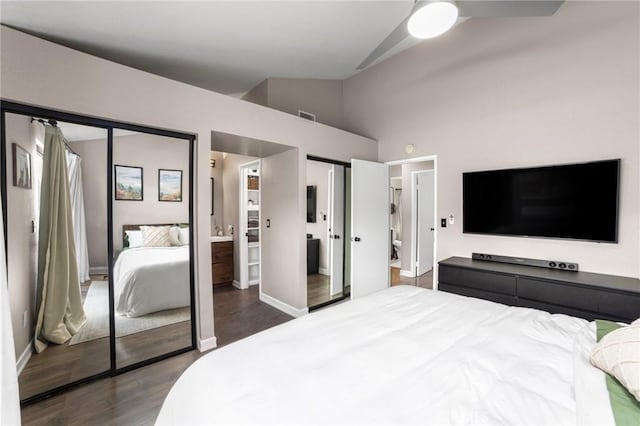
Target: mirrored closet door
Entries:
(328, 231)
(57, 250)
(152, 255)
(98, 231)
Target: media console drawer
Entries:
(486, 281)
(478, 294)
(581, 294)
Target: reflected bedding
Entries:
(151, 279)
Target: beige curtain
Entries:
(60, 312)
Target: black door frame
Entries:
(344, 252)
(12, 107)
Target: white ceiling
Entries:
(226, 46)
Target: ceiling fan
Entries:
(431, 18)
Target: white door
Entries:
(336, 229)
(426, 220)
(369, 227)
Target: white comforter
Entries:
(151, 279)
(401, 356)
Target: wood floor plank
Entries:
(135, 398)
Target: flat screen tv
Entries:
(573, 201)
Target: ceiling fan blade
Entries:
(507, 8)
(397, 35)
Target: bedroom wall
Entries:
(22, 255)
(524, 92)
(322, 97)
(42, 73)
(94, 181)
(282, 261)
(231, 202)
(168, 153)
(318, 174)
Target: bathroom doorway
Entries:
(412, 191)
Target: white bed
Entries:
(151, 279)
(401, 356)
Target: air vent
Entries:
(306, 115)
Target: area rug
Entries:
(96, 308)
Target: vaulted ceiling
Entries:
(226, 46)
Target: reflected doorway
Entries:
(328, 231)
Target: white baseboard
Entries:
(256, 282)
(407, 274)
(323, 271)
(236, 284)
(25, 356)
(287, 309)
(207, 344)
(98, 270)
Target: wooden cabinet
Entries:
(222, 262)
(581, 294)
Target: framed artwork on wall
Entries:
(21, 167)
(169, 185)
(129, 181)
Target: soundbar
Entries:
(550, 264)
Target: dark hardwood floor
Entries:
(135, 398)
(240, 313)
(318, 290)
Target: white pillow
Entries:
(135, 238)
(155, 236)
(618, 353)
(174, 236)
(184, 236)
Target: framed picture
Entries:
(21, 167)
(169, 185)
(128, 183)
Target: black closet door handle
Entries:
(337, 237)
(356, 239)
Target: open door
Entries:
(426, 220)
(336, 229)
(370, 227)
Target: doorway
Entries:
(412, 187)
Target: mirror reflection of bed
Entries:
(151, 294)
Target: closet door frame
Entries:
(12, 107)
(344, 241)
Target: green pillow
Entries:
(626, 409)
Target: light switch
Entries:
(451, 220)
(443, 222)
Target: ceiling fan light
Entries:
(433, 19)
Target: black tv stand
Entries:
(581, 294)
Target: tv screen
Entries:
(574, 201)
